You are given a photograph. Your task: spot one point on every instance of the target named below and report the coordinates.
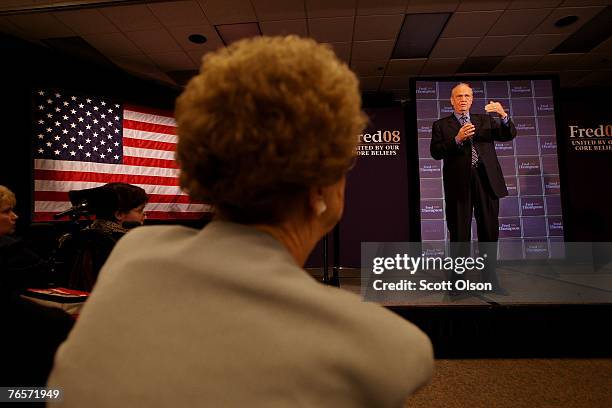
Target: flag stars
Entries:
(109, 150)
(103, 103)
(102, 142)
(48, 144)
(73, 153)
(116, 144)
(88, 100)
(110, 123)
(65, 117)
(103, 129)
(41, 150)
(64, 145)
(80, 133)
(58, 95)
(80, 119)
(88, 140)
(95, 134)
(57, 123)
(103, 116)
(72, 111)
(102, 155)
(73, 139)
(73, 125)
(49, 101)
(57, 152)
(116, 105)
(41, 93)
(73, 98)
(49, 130)
(87, 154)
(110, 136)
(80, 147)
(95, 121)
(115, 156)
(95, 148)
(65, 131)
(41, 107)
(57, 138)
(81, 105)
(116, 130)
(88, 113)
(57, 109)
(117, 118)
(66, 104)
(95, 108)
(88, 127)
(49, 115)
(40, 122)
(40, 136)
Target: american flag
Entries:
(84, 141)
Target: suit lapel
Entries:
(476, 121)
(453, 124)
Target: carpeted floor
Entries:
(533, 383)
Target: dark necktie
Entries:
(464, 119)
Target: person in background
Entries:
(226, 316)
(31, 333)
(117, 207)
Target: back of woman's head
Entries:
(266, 119)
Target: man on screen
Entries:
(473, 180)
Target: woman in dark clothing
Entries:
(117, 207)
(31, 332)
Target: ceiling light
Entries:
(197, 38)
(565, 21)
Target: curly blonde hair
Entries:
(7, 197)
(265, 119)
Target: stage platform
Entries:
(479, 325)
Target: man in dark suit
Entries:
(473, 180)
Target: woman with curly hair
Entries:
(226, 316)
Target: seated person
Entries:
(117, 207)
(226, 316)
(31, 333)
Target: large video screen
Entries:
(530, 217)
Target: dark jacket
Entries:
(457, 158)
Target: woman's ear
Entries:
(316, 201)
(119, 215)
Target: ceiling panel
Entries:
(333, 29)
(228, 11)
(584, 14)
(153, 41)
(374, 7)
(431, 6)
(592, 61)
(230, 33)
(372, 50)
(473, 5)
(86, 21)
(526, 4)
(395, 82)
(405, 66)
(569, 78)
(519, 22)
(342, 50)
(132, 18)
(518, 63)
(568, 3)
(470, 24)
(181, 35)
(369, 83)
(330, 8)
(539, 44)
(604, 48)
(556, 62)
(173, 61)
(137, 63)
(180, 13)
(597, 78)
(454, 47)
(497, 45)
(113, 44)
(381, 27)
(284, 27)
(442, 66)
(40, 25)
(266, 10)
(369, 68)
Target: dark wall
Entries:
(26, 67)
